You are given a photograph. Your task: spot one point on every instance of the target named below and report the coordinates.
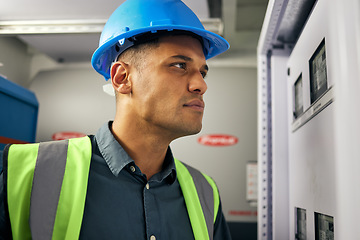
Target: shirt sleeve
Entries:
(221, 229)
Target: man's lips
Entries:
(196, 105)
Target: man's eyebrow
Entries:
(185, 58)
(189, 59)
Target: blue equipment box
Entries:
(18, 114)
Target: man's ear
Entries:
(120, 77)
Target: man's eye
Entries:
(203, 74)
(180, 65)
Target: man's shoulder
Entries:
(195, 173)
(190, 168)
(52, 146)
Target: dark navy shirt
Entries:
(122, 204)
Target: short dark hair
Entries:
(147, 41)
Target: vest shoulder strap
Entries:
(20, 165)
(201, 198)
(59, 169)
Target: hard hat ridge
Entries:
(135, 18)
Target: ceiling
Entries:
(242, 21)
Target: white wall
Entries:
(71, 99)
(15, 59)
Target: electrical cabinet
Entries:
(308, 141)
(311, 126)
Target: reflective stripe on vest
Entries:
(59, 170)
(32, 167)
(200, 193)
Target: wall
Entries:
(15, 57)
(71, 99)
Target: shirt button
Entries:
(152, 237)
(132, 168)
(147, 187)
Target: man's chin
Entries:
(190, 132)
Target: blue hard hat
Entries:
(136, 17)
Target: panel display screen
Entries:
(298, 97)
(300, 224)
(324, 227)
(318, 76)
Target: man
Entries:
(123, 183)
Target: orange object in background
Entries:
(6, 140)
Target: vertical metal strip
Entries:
(269, 148)
(265, 150)
(45, 193)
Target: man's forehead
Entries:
(180, 43)
(179, 37)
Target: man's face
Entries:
(167, 95)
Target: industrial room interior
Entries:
(286, 91)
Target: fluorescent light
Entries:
(77, 26)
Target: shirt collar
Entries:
(117, 158)
(113, 153)
(168, 171)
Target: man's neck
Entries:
(146, 149)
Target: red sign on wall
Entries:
(66, 135)
(218, 140)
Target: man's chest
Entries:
(125, 207)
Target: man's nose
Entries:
(197, 84)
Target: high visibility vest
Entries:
(47, 185)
